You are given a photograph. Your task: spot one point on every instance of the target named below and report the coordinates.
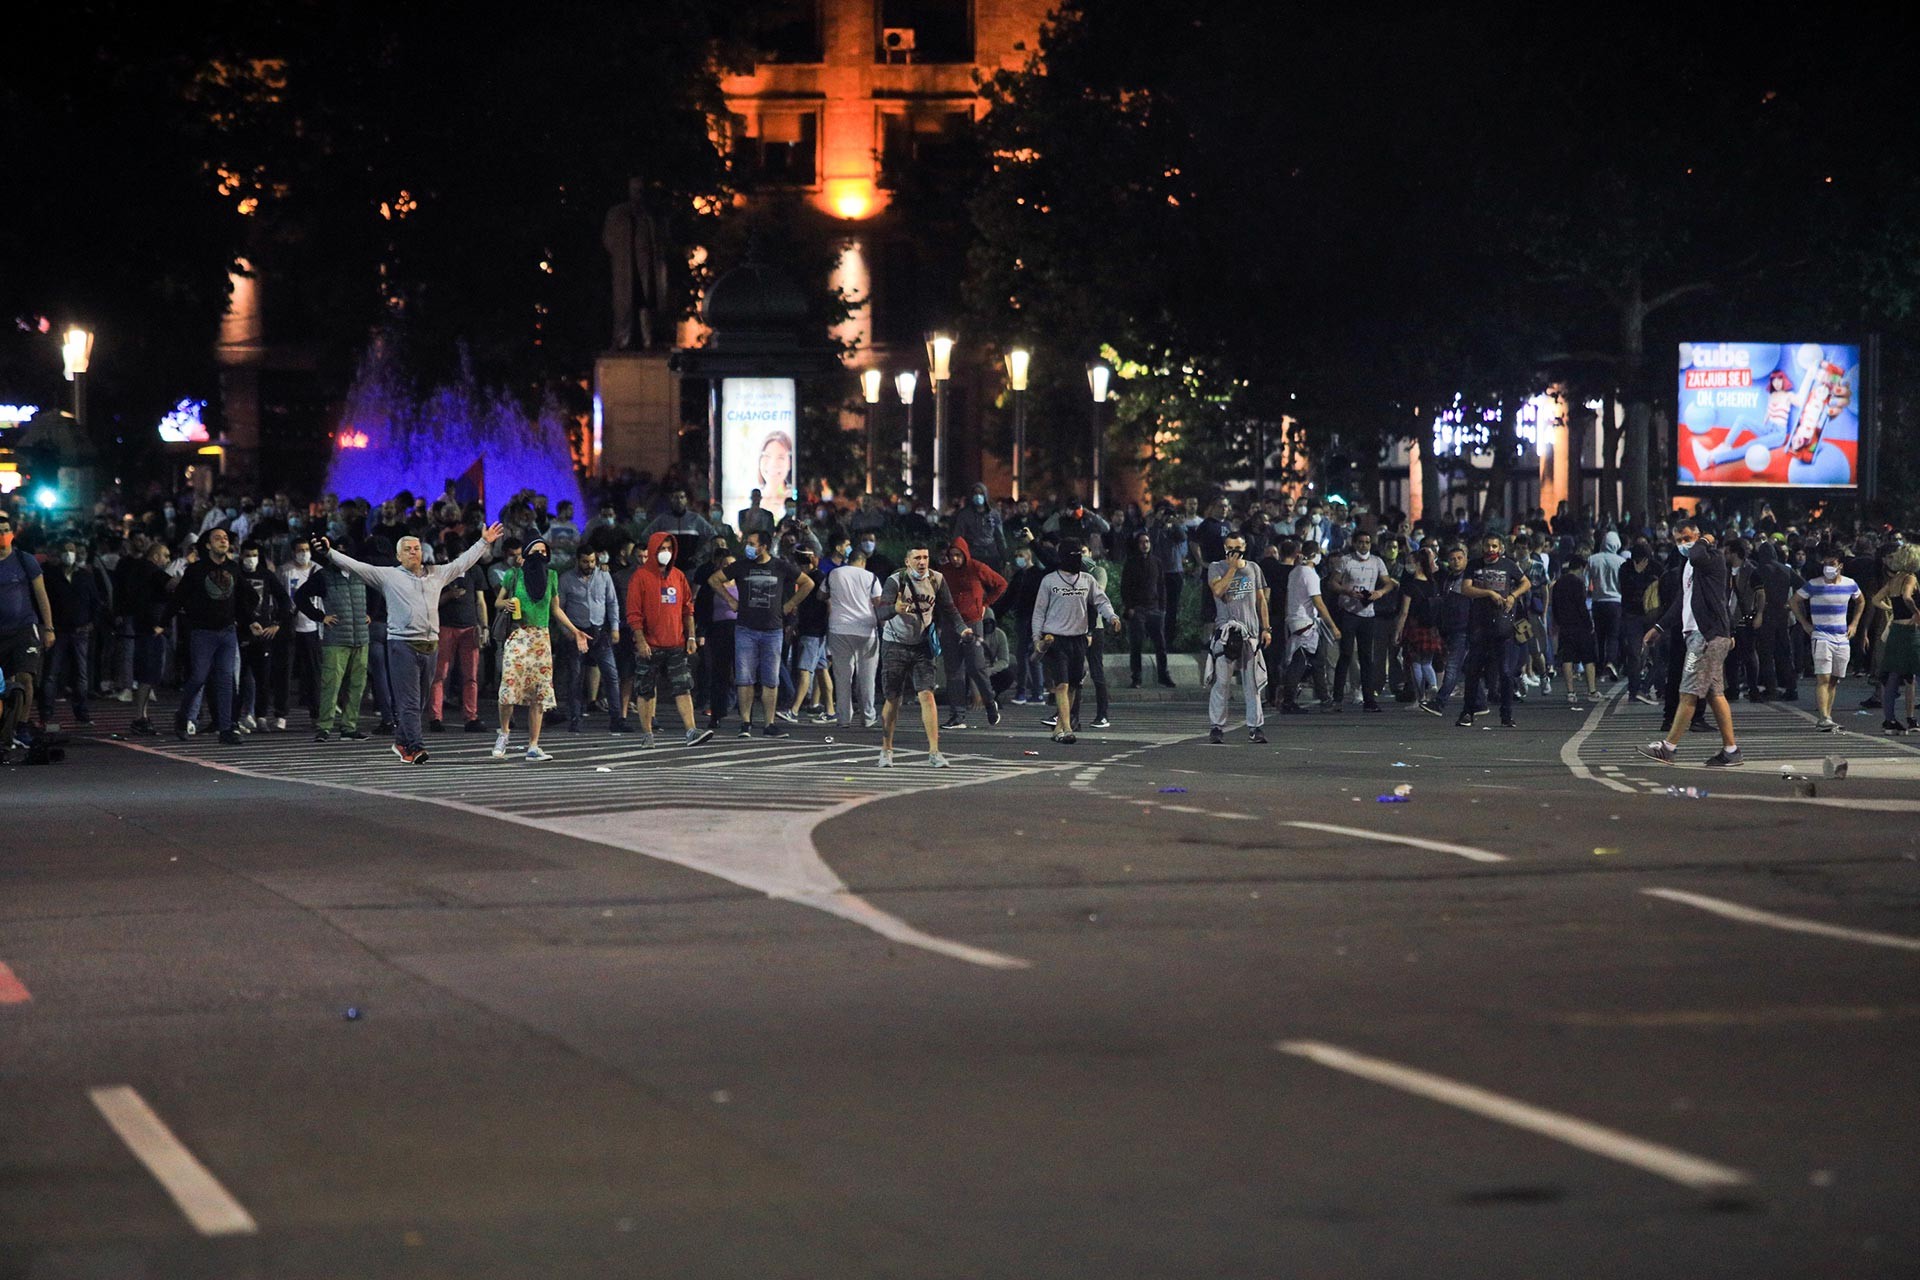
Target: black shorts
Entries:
(20, 653)
(1066, 661)
(905, 671)
(668, 667)
(1577, 645)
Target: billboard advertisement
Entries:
(759, 443)
(1769, 414)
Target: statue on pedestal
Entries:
(634, 240)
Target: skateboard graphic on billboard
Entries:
(1767, 414)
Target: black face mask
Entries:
(536, 574)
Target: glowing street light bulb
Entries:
(870, 383)
(905, 383)
(1099, 376)
(77, 351)
(1019, 360)
(940, 356)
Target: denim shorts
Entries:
(812, 652)
(756, 657)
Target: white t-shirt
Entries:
(1303, 584)
(1361, 575)
(851, 595)
(295, 576)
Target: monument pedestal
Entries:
(638, 398)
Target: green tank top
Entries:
(537, 612)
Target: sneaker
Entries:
(1659, 749)
(774, 731)
(1295, 709)
(1508, 724)
(384, 728)
(125, 695)
(1052, 721)
(936, 760)
(1788, 695)
(536, 756)
(746, 729)
(1484, 711)
(1699, 725)
(1431, 707)
(419, 757)
(323, 736)
(1464, 722)
(1166, 682)
(436, 726)
(872, 722)
(1893, 727)
(1871, 703)
(1102, 723)
(193, 727)
(1216, 735)
(1019, 700)
(279, 724)
(1825, 725)
(1645, 699)
(474, 726)
(1725, 758)
(1372, 707)
(993, 714)
(954, 724)
(1330, 707)
(575, 726)
(1256, 737)
(697, 736)
(787, 717)
(1573, 699)
(644, 741)
(400, 751)
(499, 751)
(824, 717)
(886, 758)
(621, 726)
(247, 724)
(353, 735)
(144, 728)
(1133, 682)
(229, 738)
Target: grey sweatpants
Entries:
(855, 660)
(1253, 681)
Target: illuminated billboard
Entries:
(759, 443)
(1769, 414)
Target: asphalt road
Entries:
(1142, 1007)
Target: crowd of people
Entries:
(255, 614)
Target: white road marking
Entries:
(198, 1193)
(1570, 750)
(1792, 924)
(1676, 1166)
(1416, 842)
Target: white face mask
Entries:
(68, 557)
(663, 557)
(302, 557)
(1830, 571)
(250, 562)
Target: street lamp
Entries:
(1019, 361)
(871, 382)
(1099, 377)
(940, 368)
(905, 383)
(76, 353)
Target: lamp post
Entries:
(871, 382)
(1019, 361)
(1099, 376)
(76, 353)
(940, 369)
(905, 383)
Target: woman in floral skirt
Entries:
(527, 594)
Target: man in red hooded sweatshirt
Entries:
(660, 620)
(975, 586)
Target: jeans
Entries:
(377, 674)
(411, 674)
(70, 658)
(1300, 661)
(756, 657)
(460, 658)
(1356, 633)
(1487, 656)
(1144, 625)
(1028, 679)
(1633, 654)
(1778, 670)
(966, 664)
(1456, 664)
(856, 664)
(343, 678)
(599, 654)
(213, 665)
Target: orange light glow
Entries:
(851, 198)
(352, 439)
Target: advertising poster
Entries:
(1767, 414)
(759, 443)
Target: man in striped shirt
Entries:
(1830, 610)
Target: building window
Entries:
(913, 31)
(779, 148)
(790, 31)
(923, 138)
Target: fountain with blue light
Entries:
(395, 436)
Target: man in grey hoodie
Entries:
(1603, 575)
(1065, 610)
(412, 591)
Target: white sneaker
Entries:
(192, 728)
(125, 695)
(279, 724)
(873, 722)
(936, 760)
(499, 751)
(247, 724)
(1826, 725)
(788, 716)
(886, 757)
(535, 755)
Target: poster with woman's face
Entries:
(759, 443)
